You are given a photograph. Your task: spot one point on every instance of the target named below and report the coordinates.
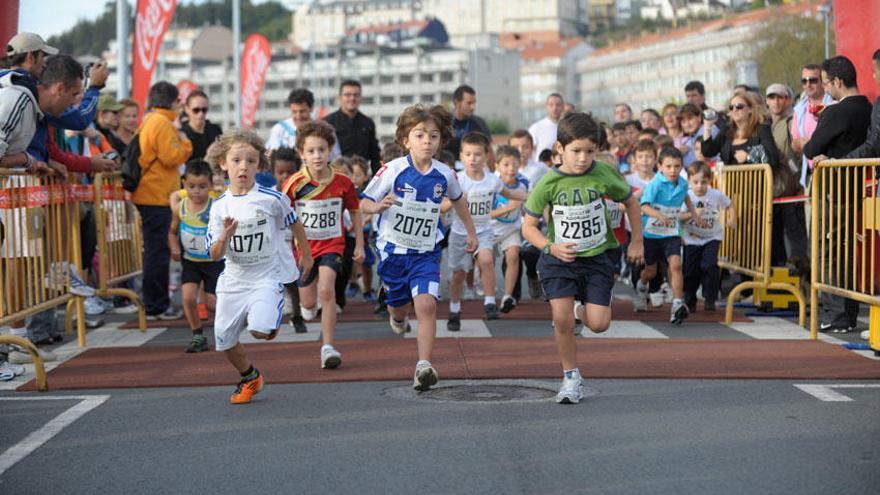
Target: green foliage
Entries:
(785, 45)
(271, 19)
(498, 126)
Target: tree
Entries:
(787, 43)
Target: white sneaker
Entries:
(865, 335)
(128, 309)
(330, 357)
(572, 389)
(23, 357)
(398, 327)
(10, 370)
(468, 294)
(578, 317)
(308, 314)
(657, 299)
(56, 278)
(640, 301)
(667, 293)
(171, 313)
(93, 306)
(338, 309)
(424, 377)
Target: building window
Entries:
(427, 98)
(386, 79)
(406, 78)
(367, 80)
(406, 98)
(367, 100)
(385, 100)
(446, 76)
(428, 77)
(386, 119)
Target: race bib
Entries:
(252, 242)
(195, 241)
(411, 224)
(321, 218)
(480, 206)
(659, 229)
(584, 225)
(615, 213)
(710, 216)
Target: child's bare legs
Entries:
(650, 271)
(367, 278)
(676, 279)
(486, 261)
(426, 314)
(563, 331)
(238, 358)
(457, 286)
(596, 317)
(190, 293)
(308, 296)
(510, 278)
(327, 295)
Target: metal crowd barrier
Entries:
(845, 243)
(746, 249)
(120, 241)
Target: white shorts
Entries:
(261, 308)
(459, 259)
(507, 241)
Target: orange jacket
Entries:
(162, 153)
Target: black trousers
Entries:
(157, 257)
(701, 268)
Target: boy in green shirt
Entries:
(573, 267)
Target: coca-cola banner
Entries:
(858, 35)
(185, 86)
(254, 64)
(151, 21)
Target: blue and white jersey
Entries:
(413, 224)
(258, 253)
(511, 221)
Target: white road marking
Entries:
(825, 392)
(771, 328)
(39, 437)
(287, 334)
(469, 329)
(626, 330)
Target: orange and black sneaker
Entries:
(246, 389)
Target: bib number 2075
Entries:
(413, 226)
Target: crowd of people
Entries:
(293, 227)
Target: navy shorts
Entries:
(587, 279)
(333, 260)
(661, 249)
(196, 272)
(405, 276)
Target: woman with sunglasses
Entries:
(746, 137)
(201, 131)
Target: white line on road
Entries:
(825, 392)
(38, 438)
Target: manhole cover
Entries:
(490, 391)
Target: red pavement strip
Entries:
(393, 359)
(622, 310)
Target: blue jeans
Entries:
(157, 257)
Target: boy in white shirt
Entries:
(507, 221)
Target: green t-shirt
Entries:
(577, 208)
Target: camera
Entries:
(710, 114)
(87, 69)
(111, 155)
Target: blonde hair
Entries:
(755, 117)
(216, 154)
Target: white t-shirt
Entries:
(544, 135)
(711, 205)
(258, 254)
(511, 221)
(283, 135)
(480, 198)
(533, 171)
(637, 184)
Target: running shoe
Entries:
(299, 325)
(507, 304)
(865, 335)
(19, 356)
(352, 291)
(308, 314)
(491, 311)
(198, 343)
(424, 377)
(535, 291)
(93, 306)
(453, 324)
(679, 313)
(399, 327)
(369, 297)
(246, 389)
(578, 317)
(330, 357)
(9, 371)
(572, 389)
(640, 301)
(657, 299)
(169, 314)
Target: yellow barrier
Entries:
(39, 368)
(746, 248)
(120, 245)
(845, 227)
(40, 246)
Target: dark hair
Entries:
(301, 97)
(163, 94)
(618, 126)
(416, 114)
(62, 68)
(555, 95)
(690, 109)
(669, 152)
(625, 105)
(663, 140)
(545, 156)
(522, 133)
(650, 131)
(197, 167)
(876, 56)
(446, 157)
(344, 83)
(286, 155)
(195, 94)
(392, 150)
(128, 102)
(577, 125)
(699, 167)
(695, 86)
(477, 138)
(362, 163)
(653, 112)
(315, 128)
(633, 123)
(842, 68)
(459, 92)
(812, 67)
(645, 145)
(20, 58)
(505, 150)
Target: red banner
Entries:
(254, 64)
(185, 87)
(858, 36)
(151, 21)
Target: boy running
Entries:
(284, 163)
(574, 267)
(507, 221)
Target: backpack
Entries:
(131, 164)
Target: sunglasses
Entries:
(199, 110)
(810, 80)
(738, 106)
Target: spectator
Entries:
(163, 150)
(745, 139)
(198, 129)
(356, 132)
(283, 134)
(544, 131)
(107, 121)
(128, 120)
(464, 120)
(841, 129)
(622, 112)
(695, 93)
(568, 108)
(871, 147)
(806, 113)
(650, 119)
(672, 122)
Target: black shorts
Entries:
(661, 249)
(614, 255)
(332, 260)
(588, 279)
(196, 272)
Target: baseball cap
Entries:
(778, 89)
(107, 103)
(28, 42)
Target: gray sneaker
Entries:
(399, 327)
(572, 389)
(640, 301)
(424, 377)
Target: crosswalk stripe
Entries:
(469, 329)
(767, 328)
(626, 330)
(286, 334)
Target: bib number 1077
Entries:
(246, 243)
(413, 226)
(581, 229)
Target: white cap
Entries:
(28, 42)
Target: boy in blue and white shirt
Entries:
(507, 221)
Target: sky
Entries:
(51, 17)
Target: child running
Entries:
(701, 243)
(247, 226)
(407, 193)
(507, 221)
(661, 203)
(284, 163)
(574, 267)
(189, 230)
(480, 188)
(320, 195)
(645, 161)
(360, 176)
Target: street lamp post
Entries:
(825, 10)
